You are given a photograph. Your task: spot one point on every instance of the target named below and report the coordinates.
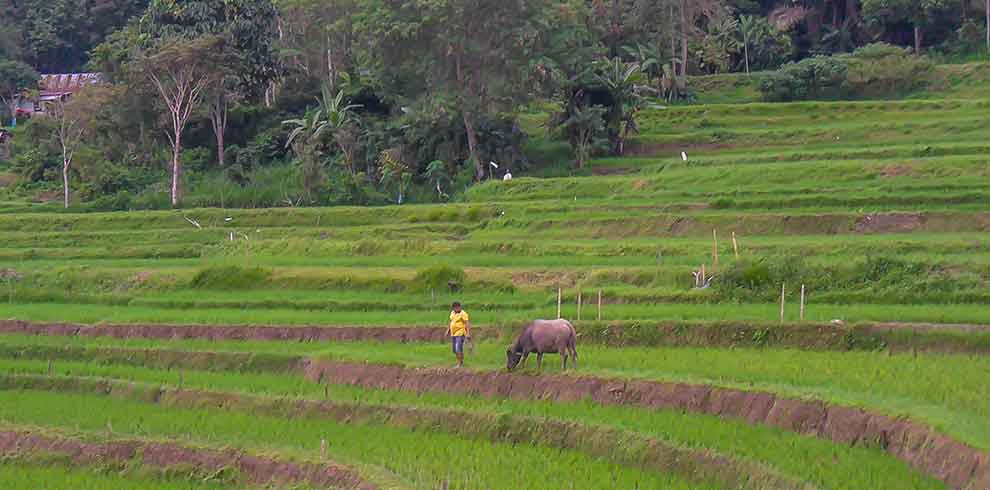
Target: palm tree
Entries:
(621, 79)
(333, 114)
(648, 59)
(749, 28)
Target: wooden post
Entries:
(323, 449)
(802, 302)
(715, 247)
(599, 305)
(579, 306)
(783, 289)
(735, 245)
(51, 367)
(560, 300)
(702, 276)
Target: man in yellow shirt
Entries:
(459, 331)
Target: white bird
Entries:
(684, 156)
(493, 164)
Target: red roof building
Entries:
(58, 86)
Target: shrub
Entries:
(438, 277)
(819, 77)
(883, 70)
(230, 277)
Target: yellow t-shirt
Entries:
(458, 323)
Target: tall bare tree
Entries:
(73, 121)
(183, 73)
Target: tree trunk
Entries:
(684, 38)
(746, 50)
(218, 118)
(176, 169)
(988, 26)
(917, 40)
(66, 163)
(472, 137)
(673, 40)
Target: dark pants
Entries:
(458, 344)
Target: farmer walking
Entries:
(459, 330)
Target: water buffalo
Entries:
(544, 337)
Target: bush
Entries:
(120, 201)
(760, 280)
(882, 70)
(875, 70)
(819, 77)
(230, 277)
(438, 277)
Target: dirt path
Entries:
(622, 447)
(257, 470)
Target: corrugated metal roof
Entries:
(67, 83)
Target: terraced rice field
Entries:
(304, 348)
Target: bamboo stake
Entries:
(51, 367)
(702, 275)
(735, 245)
(802, 302)
(323, 449)
(560, 299)
(783, 289)
(715, 247)
(599, 305)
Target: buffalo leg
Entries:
(539, 361)
(563, 357)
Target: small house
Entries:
(56, 87)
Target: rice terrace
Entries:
(356, 248)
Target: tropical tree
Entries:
(250, 63)
(303, 140)
(690, 13)
(436, 172)
(748, 29)
(480, 54)
(395, 173)
(719, 45)
(333, 116)
(182, 73)
(342, 122)
(919, 13)
(649, 59)
(622, 81)
(73, 118)
(16, 78)
(764, 45)
(585, 124)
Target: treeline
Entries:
(257, 103)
